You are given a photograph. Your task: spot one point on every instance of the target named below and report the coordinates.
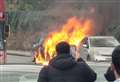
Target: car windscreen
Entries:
(103, 42)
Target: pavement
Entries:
(19, 57)
(19, 52)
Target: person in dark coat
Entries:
(109, 75)
(116, 63)
(64, 68)
(113, 72)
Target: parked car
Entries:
(98, 48)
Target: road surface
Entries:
(21, 57)
(16, 64)
(29, 73)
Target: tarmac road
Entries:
(18, 64)
(26, 60)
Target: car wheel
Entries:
(88, 58)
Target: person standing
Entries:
(116, 63)
(64, 68)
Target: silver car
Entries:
(99, 48)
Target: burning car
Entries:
(73, 31)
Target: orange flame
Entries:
(72, 32)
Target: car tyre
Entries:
(88, 58)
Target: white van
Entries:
(99, 48)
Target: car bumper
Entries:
(103, 58)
